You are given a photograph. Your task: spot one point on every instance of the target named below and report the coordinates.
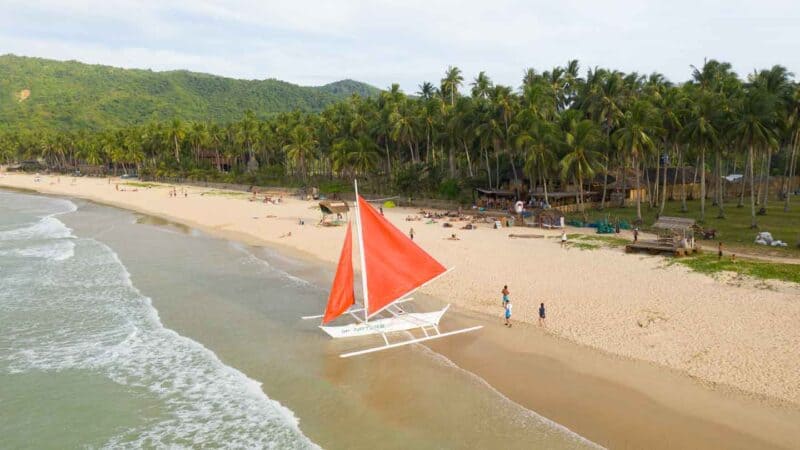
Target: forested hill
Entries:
(69, 95)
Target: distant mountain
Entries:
(70, 95)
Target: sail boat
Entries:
(392, 268)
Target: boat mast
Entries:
(361, 255)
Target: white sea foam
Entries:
(82, 312)
(54, 250)
(47, 227)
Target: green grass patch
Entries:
(611, 241)
(708, 264)
(227, 194)
(596, 240)
(733, 231)
(139, 184)
(583, 245)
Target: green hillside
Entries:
(70, 95)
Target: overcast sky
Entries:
(408, 41)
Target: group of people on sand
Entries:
(267, 198)
(174, 192)
(507, 308)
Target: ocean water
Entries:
(85, 360)
(119, 330)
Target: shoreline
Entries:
(696, 410)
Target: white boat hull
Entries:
(403, 322)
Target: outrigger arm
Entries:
(387, 346)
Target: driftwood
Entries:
(526, 236)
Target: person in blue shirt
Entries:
(541, 315)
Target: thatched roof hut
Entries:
(333, 207)
(674, 223)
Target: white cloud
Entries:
(385, 41)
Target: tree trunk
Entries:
(469, 161)
(760, 185)
(753, 223)
(792, 168)
(544, 184)
(684, 208)
(605, 186)
(624, 198)
(388, 158)
(451, 158)
(497, 170)
(747, 164)
(702, 168)
(605, 168)
(720, 198)
(638, 189)
(766, 177)
(177, 149)
(656, 185)
(488, 167)
(664, 193)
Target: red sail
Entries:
(395, 264)
(341, 296)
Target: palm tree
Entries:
(753, 129)
(301, 147)
(426, 90)
(176, 132)
(451, 82)
(536, 142)
(481, 86)
(635, 137)
(404, 129)
(581, 160)
(603, 102)
(793, 130)
(701, 132)
(198, 138)
(248, 136)
(363, 155)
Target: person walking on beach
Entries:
(508, 313)
(505, 293)
(381, 208)
(719, 252)
(563, 238)
(542, 323)
(635, 234)
(411, 233)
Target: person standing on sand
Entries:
(542, 315)
(508, 313)
(563, 238)
(719, 252)
(411, 233)
(381, 208)
(635, 234)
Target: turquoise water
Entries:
(86, 362)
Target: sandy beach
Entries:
(730, 335)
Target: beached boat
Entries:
(392, 268)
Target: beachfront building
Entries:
(494, 198)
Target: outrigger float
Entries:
(392, 268)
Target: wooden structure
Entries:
(546, 218)
(333, 208)
(675, 236)
(494, 198)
